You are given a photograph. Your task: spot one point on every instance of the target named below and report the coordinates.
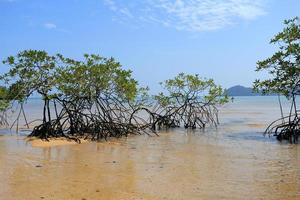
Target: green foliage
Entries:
(185, 87)
(30, 71)
(284, 65)
(36, 71)
(95, 76)
(142, 98)
(17, 91)
(4, 101)
(100, 99)
(190, 101)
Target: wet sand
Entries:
(35, 142)
(233, 162)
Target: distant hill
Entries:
(239, 90)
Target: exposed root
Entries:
(287, 128)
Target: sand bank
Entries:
(35, 142)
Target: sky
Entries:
(156, 39)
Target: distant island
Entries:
(239, 90)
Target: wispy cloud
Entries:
(50, 26)
(54, 27)
(190, 15)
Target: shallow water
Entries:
(234, 161)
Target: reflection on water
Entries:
(234, 161)
(252, 136)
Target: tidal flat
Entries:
(234, 161)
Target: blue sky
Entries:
(220, 39)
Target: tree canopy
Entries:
(31, 71)
(95, 98)
(190, 100)
(284, 65)
(284, 69)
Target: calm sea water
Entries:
(252, 110)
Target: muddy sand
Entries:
(232, 162)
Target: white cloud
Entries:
(190, 15)
(111, 4)
(50, 26)
(54, 27)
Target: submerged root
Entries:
(287, 128)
